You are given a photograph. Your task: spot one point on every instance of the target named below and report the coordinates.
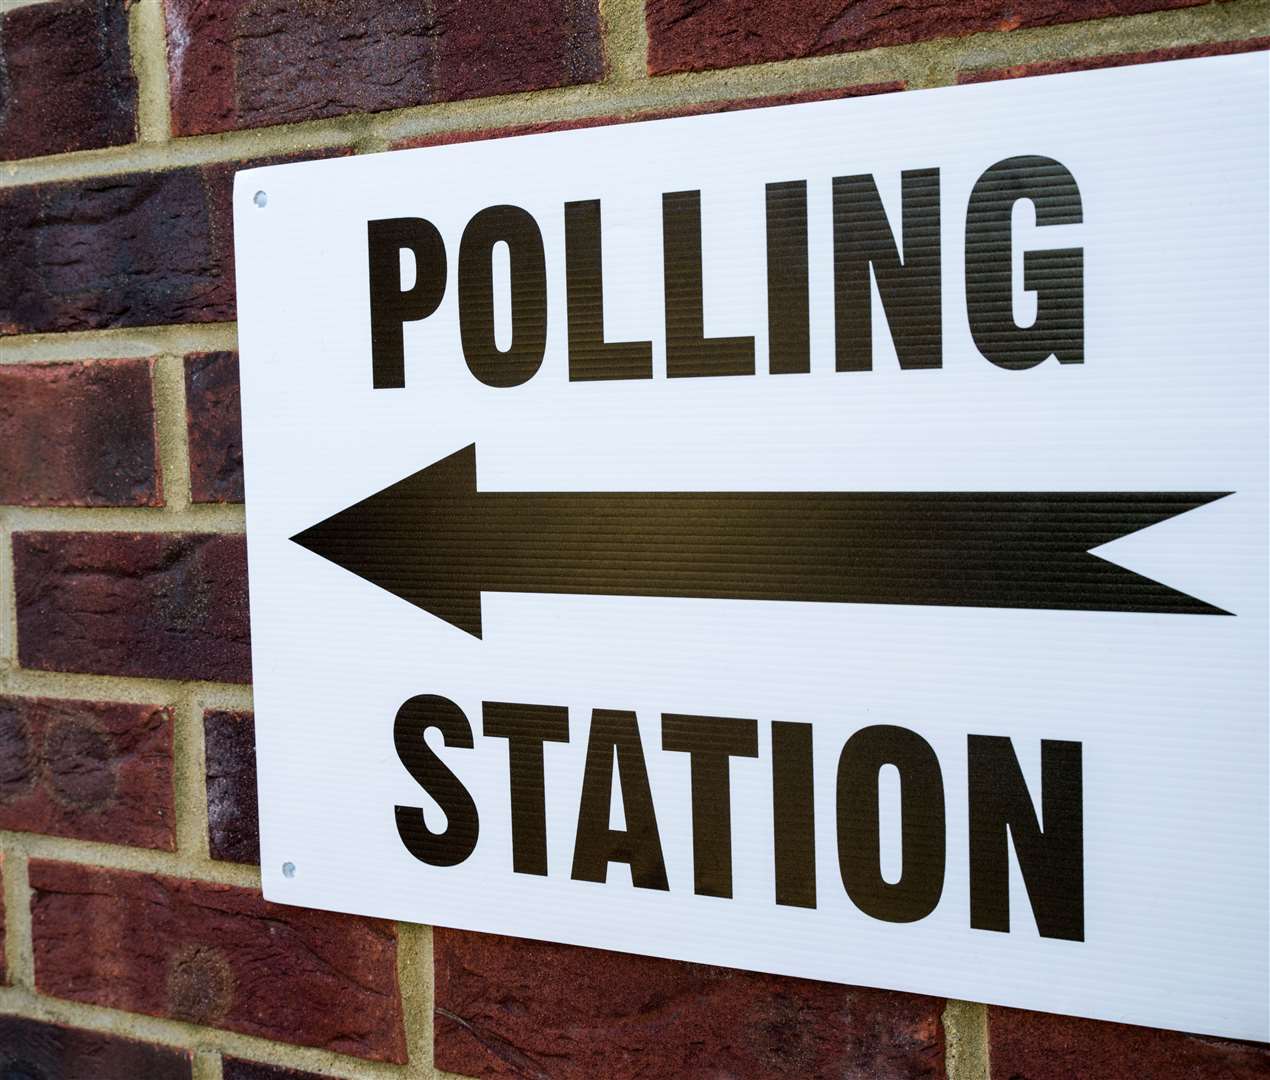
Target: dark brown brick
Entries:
(88, 770)
(1037, 1046)
(78, 434)
(134, 250)
(239, 63)
(66, 78)
(233, 827)
(1088, 63)
(215, 429)
(164, 605)
(216, 955)
(695, 35)
(31, 1050)
(237, 1069)
(129, 250)
(512, 1008)
(448, 137)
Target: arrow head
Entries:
(420, 539)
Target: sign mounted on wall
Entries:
(828, 539)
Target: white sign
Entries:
(674, 538)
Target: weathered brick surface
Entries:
(237, 1069)
(89, 770)
(128, 250)
(78, 434)
(31, 1050)
(512, 1008)
(66, 78)
(694, 35)
(217, 955)
(233, 827)
(215, 431)
(1037, 1046)
(239, 63)
(166, 605)
(445, 138)
(1055, 67)
(137, 249)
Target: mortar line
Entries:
(919, 64)
(147, 41)
(28, 682)
(197, 517)
(97, 854)
(189, 778)
(415, 978)
(171, 431)
(8, 600)
(624, 33)
(180, 1034)
(7, 6)
(18, 951)
(966, 1040)
(207, 1064)
(119, 343)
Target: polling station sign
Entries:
(828, 539)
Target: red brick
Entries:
(695, 35)
(66, 78)
(1055, 67)
(233, 826)
(237, 1069)
(215, 430)
(512, 1008)
(445, 138)
(240, 64)
(164, 605)
(1037, 1046)
(88, 770)
(78, 434)
(31, 1050)
(216, 955)
(138, 249)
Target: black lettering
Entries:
(788, 303)
(710, 741)
(526, 728)
(922, 829)
(518, 230)
(456, 843)
(910, 286)
(615, 735)
(590, 356)
(390, 305)
(793, 815)
(689, 353)
(1051, 857)
(1057, 276)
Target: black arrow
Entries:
(434, 540)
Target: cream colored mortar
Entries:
(12, 5)
(626, 91)
(170, 429)
(148, 45)
(966, 1040)
(625, 40)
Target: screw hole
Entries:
(261, 199)
(288, 869)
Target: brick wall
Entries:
(137, 944)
